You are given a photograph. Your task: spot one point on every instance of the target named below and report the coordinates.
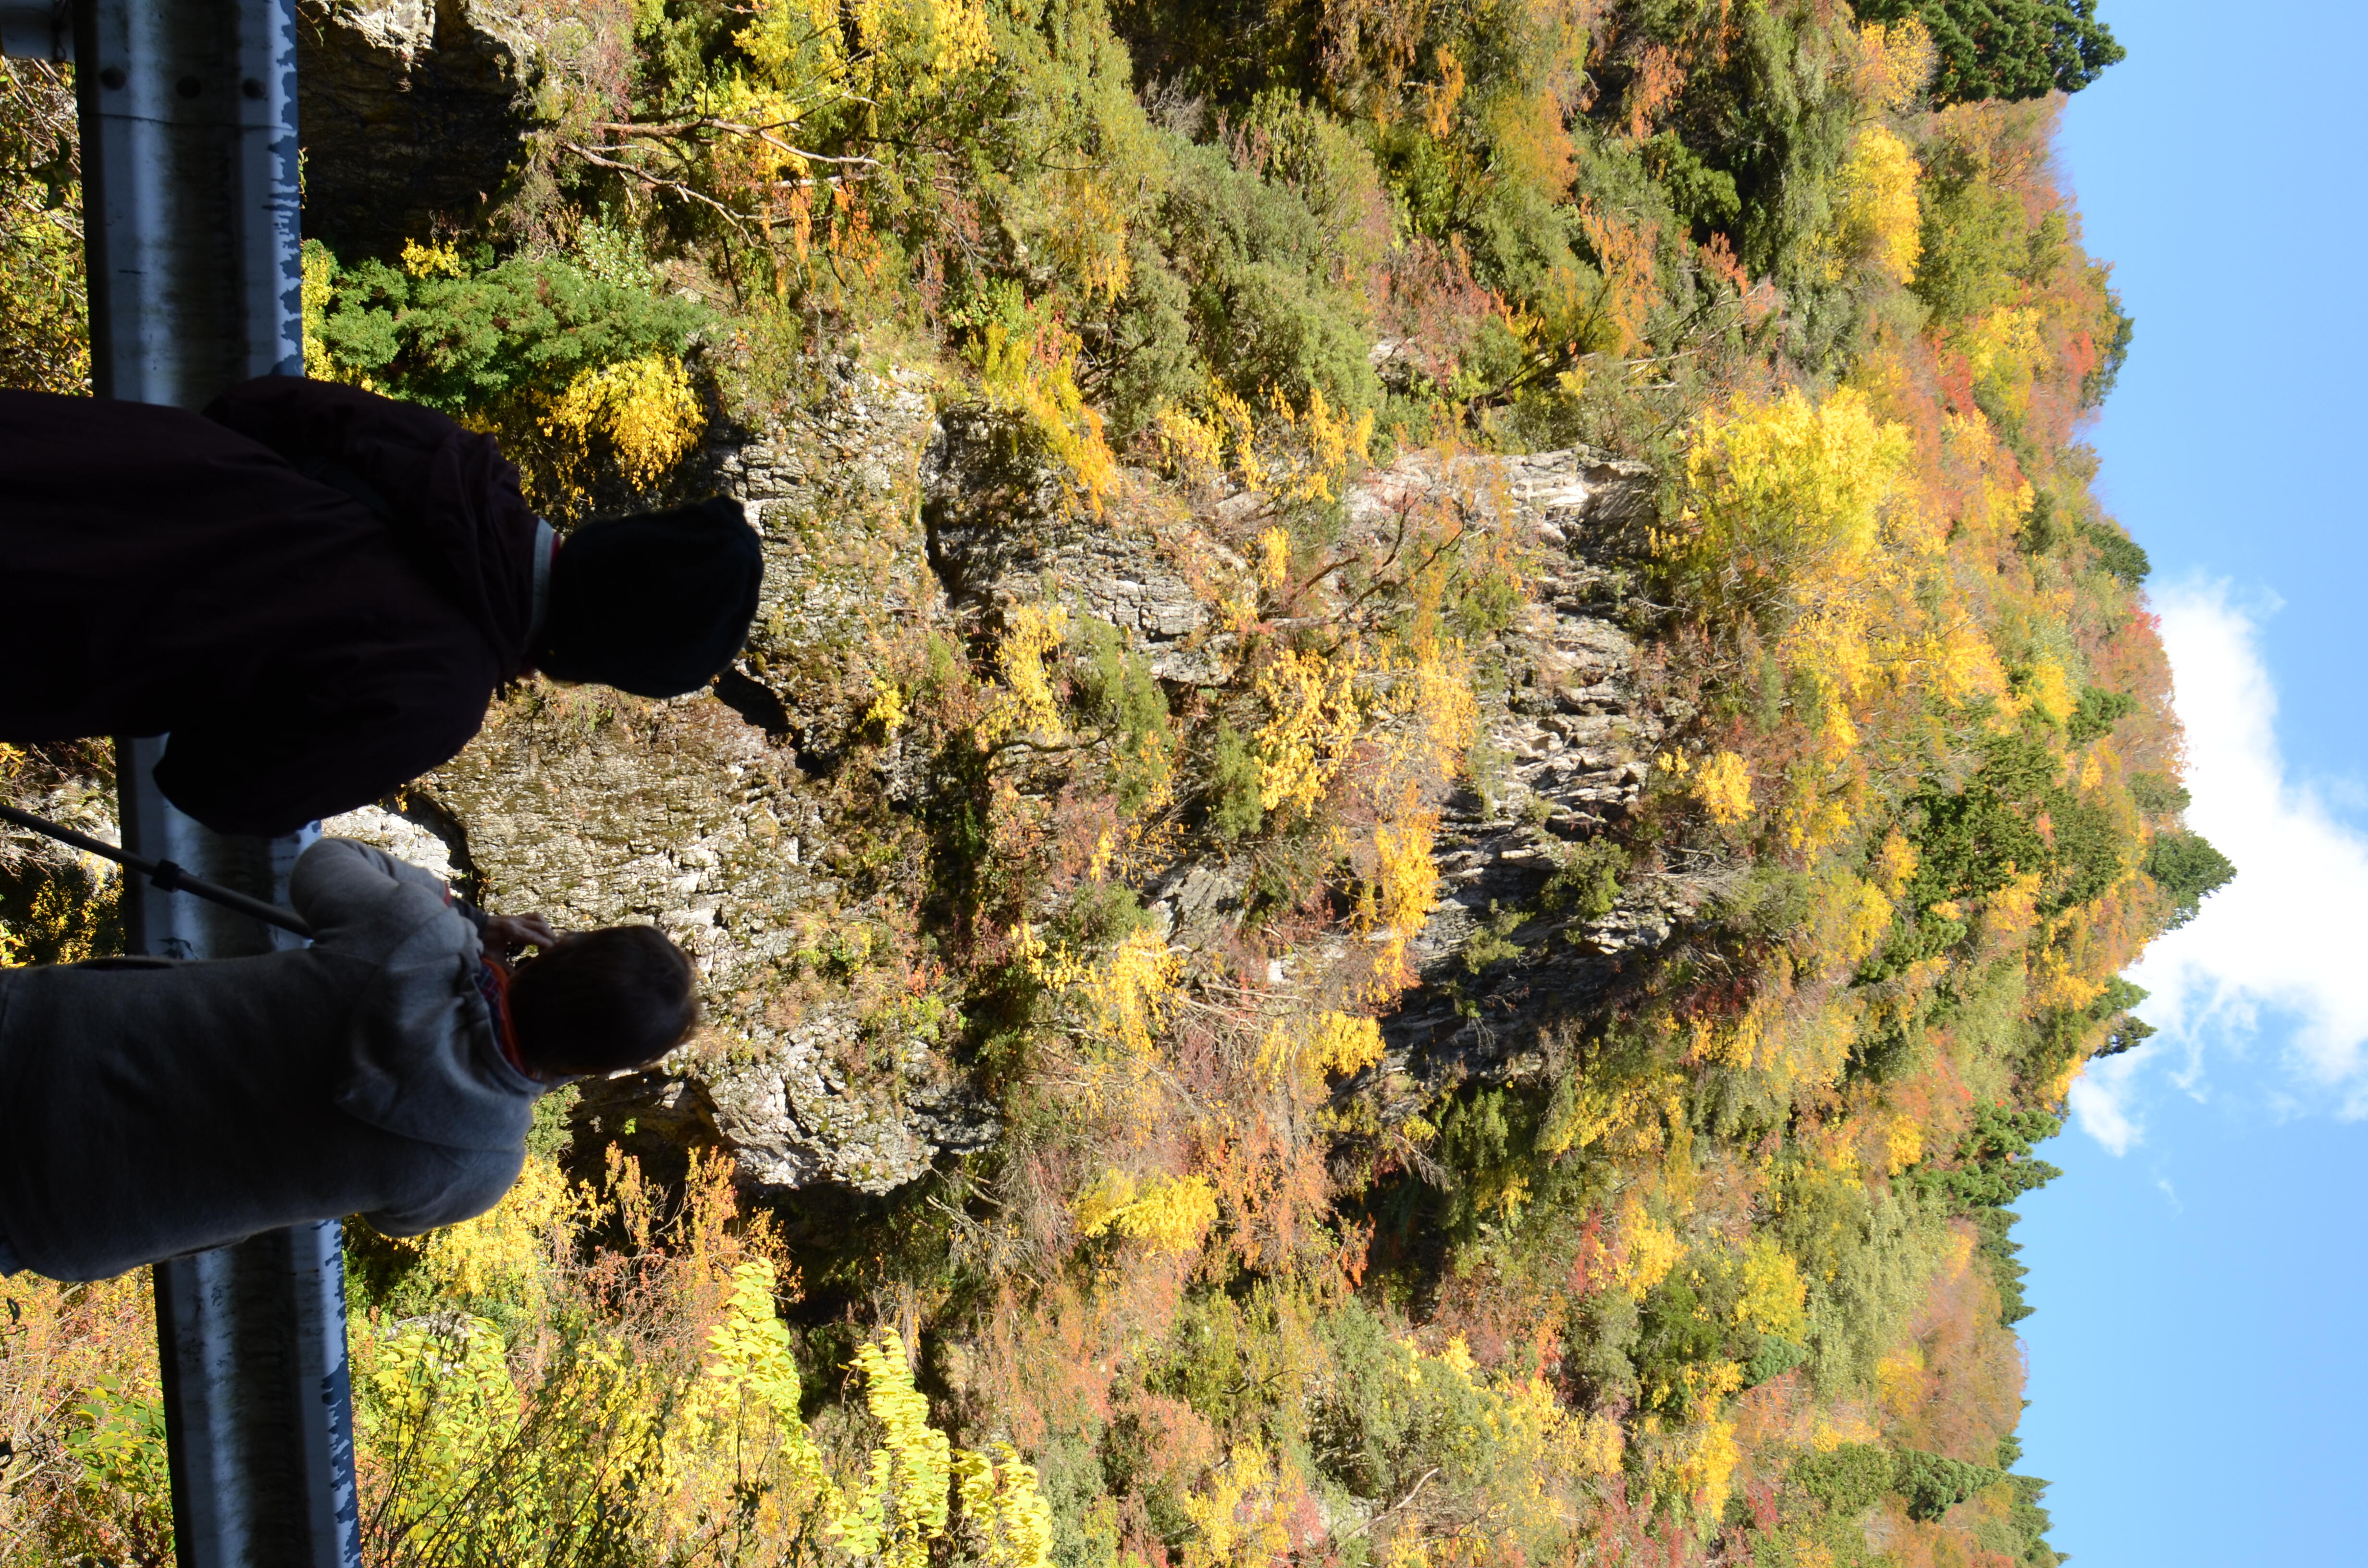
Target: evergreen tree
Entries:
(2007, 48)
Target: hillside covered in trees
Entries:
(1443, 769)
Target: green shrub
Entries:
(526, 325)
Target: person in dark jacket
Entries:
(316, 591)
(149, 1109)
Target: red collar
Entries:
(504, 1036)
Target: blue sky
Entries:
(2197, 1359)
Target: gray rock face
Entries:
(1003, 530)
(409, 110)
(1570, 747)
(830, 489)
(795, 1116)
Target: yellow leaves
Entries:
(1001, 1501)
(1305, 1049)
(1895, 62)
(1030, 632)
(1963, 664)
(1723, 788)
(806, 49)
(1404, 889)
(743, 1409)
(1344, 1045)
(1798, 491)
(438, 1393)
(1597, 1443)
(1236, 1521)
(1274, 559)
(1441, 99)
(320, 277)
(1313, 722)
(1088, 236)
(1297, 455)
(1894, 864)
(1332, 443)
(1878, 222)
(644, 407)
(1899, 1378)
(2011, 913)
(1435, 698)
(432, 261)
(502, 1252)
(935, 38)
(748, 1352)
(1774, 1298)
(2055, 983)
(1169, 1214)
(1034, 372)
(792, 42)
(1590, 1112)
(2045, 687)
(1835, 1429)
(1648, 1249)
(1698, 1466)
(887, 709)
(2003, 349)
(1193, 448)
(1132, 989)
(903, 1507)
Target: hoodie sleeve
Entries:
(338, 881)
(457, 1185)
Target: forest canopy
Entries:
(1817, 770)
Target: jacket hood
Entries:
(446, 493)
(424, 1063)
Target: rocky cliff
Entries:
(769, 825)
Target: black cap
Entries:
(656, 604)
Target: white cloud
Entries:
(2288, 939)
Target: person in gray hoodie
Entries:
(390, 1070)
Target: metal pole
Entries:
(190, 210)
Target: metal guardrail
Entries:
(38, 30)
(189, 199)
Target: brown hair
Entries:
(603, 1000)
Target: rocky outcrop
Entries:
(1518, 941)
(409, 110)
(727, 819)
(1004, 529)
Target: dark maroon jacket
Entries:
(215, 576)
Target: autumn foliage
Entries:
(1714, 1265)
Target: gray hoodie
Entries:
(151, 1111)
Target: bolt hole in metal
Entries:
(112, 77)
(188, 86)
(251, 88)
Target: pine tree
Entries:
(2007, 48)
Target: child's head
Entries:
(602, 1002)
